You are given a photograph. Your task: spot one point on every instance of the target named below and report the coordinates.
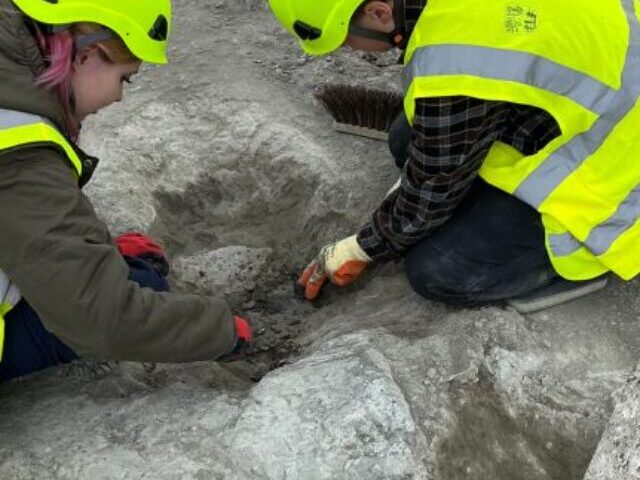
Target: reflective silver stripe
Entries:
(564, 161)
(537, 187)
(601, 237)
(9, 292)
(509, 65)
(611, 105)
(12, 118)
(563, 244)
(546, 178)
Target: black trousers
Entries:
(30, 347)
(491, 249)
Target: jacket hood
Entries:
(20, 64)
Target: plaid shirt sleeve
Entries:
(451, 138)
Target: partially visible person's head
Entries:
(92, 48)
(87, 78)
(98, 73)
(372, 16)
(322, 27)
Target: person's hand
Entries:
(137, 245)
(341, 262)
(244, 339)
(244, 334)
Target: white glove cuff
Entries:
(356, 250)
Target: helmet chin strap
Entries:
(396, 38)
(84, 40)
(392, 39)
(88, 39)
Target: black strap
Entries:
(396, 38)
(363, 32)
(86, 40)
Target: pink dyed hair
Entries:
(58, 50)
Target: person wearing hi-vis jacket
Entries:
(518, 145)
(67, 289)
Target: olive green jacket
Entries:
(61, 256)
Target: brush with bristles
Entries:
(363, 111)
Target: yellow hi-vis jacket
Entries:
(579, 60)
(19, 129)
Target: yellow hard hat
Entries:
(143, 25)
(320, 26)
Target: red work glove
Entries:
(244, 338)
(133, 244)
(341, 262)
(243, 332)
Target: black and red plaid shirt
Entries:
(451, 139)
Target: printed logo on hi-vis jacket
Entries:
(520, 19)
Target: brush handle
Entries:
(361, 131)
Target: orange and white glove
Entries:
(341, 262)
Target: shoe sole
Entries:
(530, 305)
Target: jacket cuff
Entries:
(375, 245)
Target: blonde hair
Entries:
(115, 47)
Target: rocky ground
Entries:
(226, 157)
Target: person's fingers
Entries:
(314, 284)
(306, 274)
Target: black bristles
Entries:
(361, 106)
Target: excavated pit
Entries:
(488, 442)
(226, 158)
